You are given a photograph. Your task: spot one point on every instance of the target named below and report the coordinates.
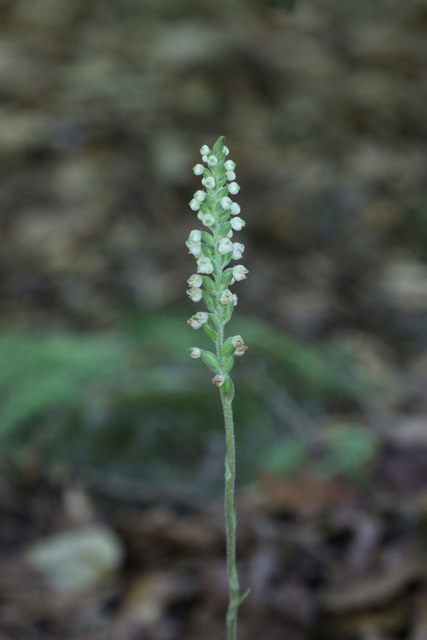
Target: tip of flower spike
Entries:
(219, 146)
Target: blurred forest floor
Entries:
(108, 435)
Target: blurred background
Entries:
(111, 438)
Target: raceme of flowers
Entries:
(214, 247)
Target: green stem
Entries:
(230, 518)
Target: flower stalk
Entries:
(213, 250)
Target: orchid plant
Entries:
(213, 250)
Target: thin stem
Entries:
(230, 518)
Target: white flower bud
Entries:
(195, 205)
(194, 243)
(200, 215)
(208, 220)
(225, 246)
(239, 272)
(195, 236)
(226, 297)
(212, 161)
(204, 150)
(198, 320)
(195, 248)
(194, 352)
(233, 188)
(208, 182)
(226, 150)
(218, 380)
(237, 224)
(204, 265)
(230, 175)
(195, 280)
(238, 249)
(232, 281)
(230, 233)
(234, 299)
(226, 202)
(198, 169)
(235, 209)
(205, 158)
(195, 294)
(199, 196)
(229, 165)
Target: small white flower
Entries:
(204, 150)
(208, 182)
(229, 165)
(205, 158)
(230, 175)
(225, 246)
(212, 161)
(195, 205)
(230, 233)
(240, 352)
(195, 280)
(195, 236)
(235, 209)
(218, 380)
(204, 265)
(199, 196)
(238, 249)
(235, 299)
(198, 320)
(239, 345)
(200, 215)
(233, 188)
(237, 224)
(208, 220)
(198, 169)
(226, 297)
(226, 150)
(194, 352)
(195, 294)
(226, 202)
(239, 272)
(195, 248)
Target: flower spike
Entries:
(214, 250)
